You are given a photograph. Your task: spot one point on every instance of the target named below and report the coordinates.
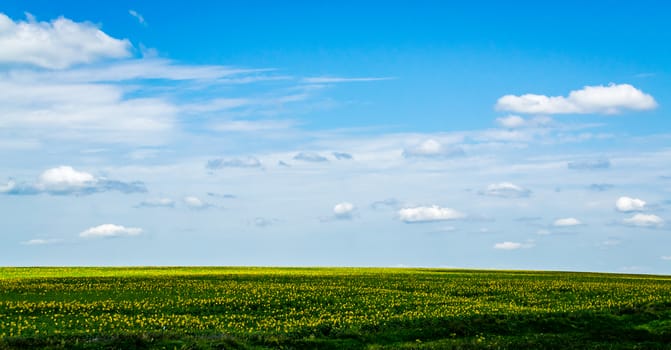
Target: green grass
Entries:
(330, 308)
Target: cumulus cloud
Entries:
(310, 157)
(432, 149)
(157, 203)
(341, 155)
(343, 210)
(110, 230)
(193, 202)
(610, 99)
(507, 245)
(567, 222)
(248, 162)
(592, 164)
(644, 220)
(65, 180)
(58, 44)
(428, 214)
(505, 190)
(517, 122)
(627, 204)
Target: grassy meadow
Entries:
(330, 308)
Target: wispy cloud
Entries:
(42, 241)
(247, 162)
(507, 245)
(137, 16)
(567, 222)
(590, 164)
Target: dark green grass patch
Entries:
(312, 308)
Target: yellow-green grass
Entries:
(256, 307)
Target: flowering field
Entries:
(327, 308)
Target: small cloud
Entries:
(65, 180)
(343, 211)
(644, 220)
(248, 162)
(310, 157)
(517, 122)
(110, 230)
(666, 257)
(610, 243)
(589, 164)
(387, 203)
(39, 241)
(567, 222)
(512, 245)
(610, 99)
(543, 232)
(600, 187)
(263, 222)
(341, 156)
(222, 195)
(432, 149)
(283, 164)
(195, 203)
(157, 203)
(628, 204)
(428, 214)
(137, 16)
(505, 190)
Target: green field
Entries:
(330, 308)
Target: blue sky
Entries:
(378, 134)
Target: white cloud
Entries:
(567, 222)
(644, 220)
(193, 202)
(666, 257)
(58, 44)
(432, 148)
(516, 122)
(611, 99)
(65, 180)
(428, 214)
(627, 204)
(506, 190)
(507, 245)
(110, 230)
(343, 210)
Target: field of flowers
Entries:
(330, 308)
